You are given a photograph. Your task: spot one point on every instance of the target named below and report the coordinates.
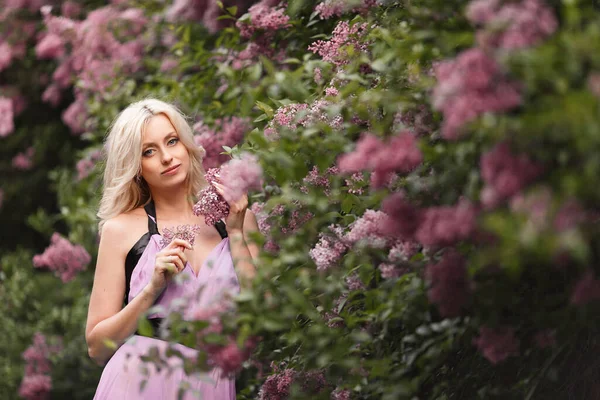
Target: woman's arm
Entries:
(243, 251)
(106, 320)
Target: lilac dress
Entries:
(123, 375)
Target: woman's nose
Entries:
(166, 157)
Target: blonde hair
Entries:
(124, 190)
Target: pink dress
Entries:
(125, 372)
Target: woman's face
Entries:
(165, 159)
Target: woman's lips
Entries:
(172, 170)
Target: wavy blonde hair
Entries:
(124, 190)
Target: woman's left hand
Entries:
(237, 209)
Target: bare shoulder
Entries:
(124, 230)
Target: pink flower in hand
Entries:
(185, 232)
(239, 176)
(210, 203)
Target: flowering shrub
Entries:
(422, 175)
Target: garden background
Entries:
(429, 200)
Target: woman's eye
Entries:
(147, 152)
(173, 141)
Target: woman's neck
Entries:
(172, 205)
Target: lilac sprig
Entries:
(210, 203)
(184, 232)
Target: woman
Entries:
(153, 170)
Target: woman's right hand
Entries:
(170, 261)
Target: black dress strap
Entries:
(151, 211)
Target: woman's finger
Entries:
(179, 242)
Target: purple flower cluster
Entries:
(353, 282)
(336, 8)
(23, 160)
(109, 42)
(277, 386)
(445, 225)
(37, 383)
(335, 50)
(469, 86)
(241, 175)
(63, 257)
(391, 271)
(497, 344)
(448, 284)
(264, 18)
(329, 249)
(227, 132)
(6, 116)
(1, 197)
(229, 358)
(317, 180)
(184, 232)
(505, 174)
(356, 183)
(404, 218)
(367, 230)
(340, 394)
(292, 116)
(512, 25)
(86, 165)
(400, 153)
(210, 203)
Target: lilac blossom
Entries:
(403, 218)
(227, 132)
(448, 284)
(497, 344)
(505, 174)
(512, 25)
(6, 55)
(319, 181)
(353, 282)
(240, 176)
(6, 116)
(391, 271)
(52, 95)
(263, 17)
(86, 165)
(35, 387)
(75, 116)
(355, 183)
(184, 232)
(1, 197)
(23, 160)
(446, 225)
(402, 251)
(336, 8)
(37, 383)
(329, 249)
(63, 258)
(367, 229)
(340, 394)
(210, 203)
(397, 154)
(468, 86)
(334, 51)
(51, 46)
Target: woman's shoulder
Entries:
(125, 229)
